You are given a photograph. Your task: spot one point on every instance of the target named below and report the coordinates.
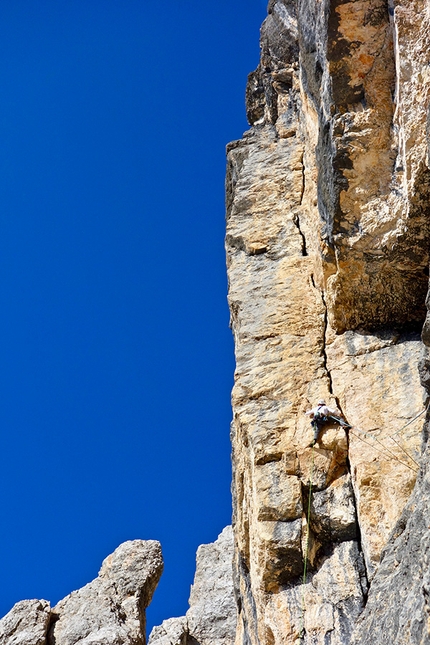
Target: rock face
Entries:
(111, 609)
(26, 624)
(108, 611)
(211, 618)
(328, 227)
(328, 233)
(398, 609)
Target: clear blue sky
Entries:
(115, 352)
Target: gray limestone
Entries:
(211, 618)
(27, 623)
(110, 610)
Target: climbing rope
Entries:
(406, 453)
(306, 555)
(387, 450)
(391, 436)
(409, 422)
(383, 452)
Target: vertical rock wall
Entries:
(327, 252)
(328, 228)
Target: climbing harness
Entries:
(320, 420)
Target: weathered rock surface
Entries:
(27, 623)
(211, 618)
(398, 608)
(327, 241)
(328, 234)
(333, 598)
(173, 631)
(376, 381)
(110, 610)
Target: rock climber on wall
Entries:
(322, 414)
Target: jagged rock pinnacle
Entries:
(110, 610)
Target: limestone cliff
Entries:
(327, 250)
(110, 610)
(328, 228)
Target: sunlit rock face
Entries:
(328, 227)
(27, 623)
(110, 610)
(327, 251)
(211, 618)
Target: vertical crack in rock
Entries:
(324, 345)
(296, 218)
(296, 221)
(303, 180)
(365, 582)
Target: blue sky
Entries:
(115, 352)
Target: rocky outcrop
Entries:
(110, 610)
(211, 618)
(327, 252)
(26, 624)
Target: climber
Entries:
(320, 415)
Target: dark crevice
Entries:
(265, 337)
(249, 618)
(303, 181)
(50, 634)
(348, 464)
(296, 221)
(358, 528)
(323, 351)
(269, 458)
(296, 218)
(190, 640)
